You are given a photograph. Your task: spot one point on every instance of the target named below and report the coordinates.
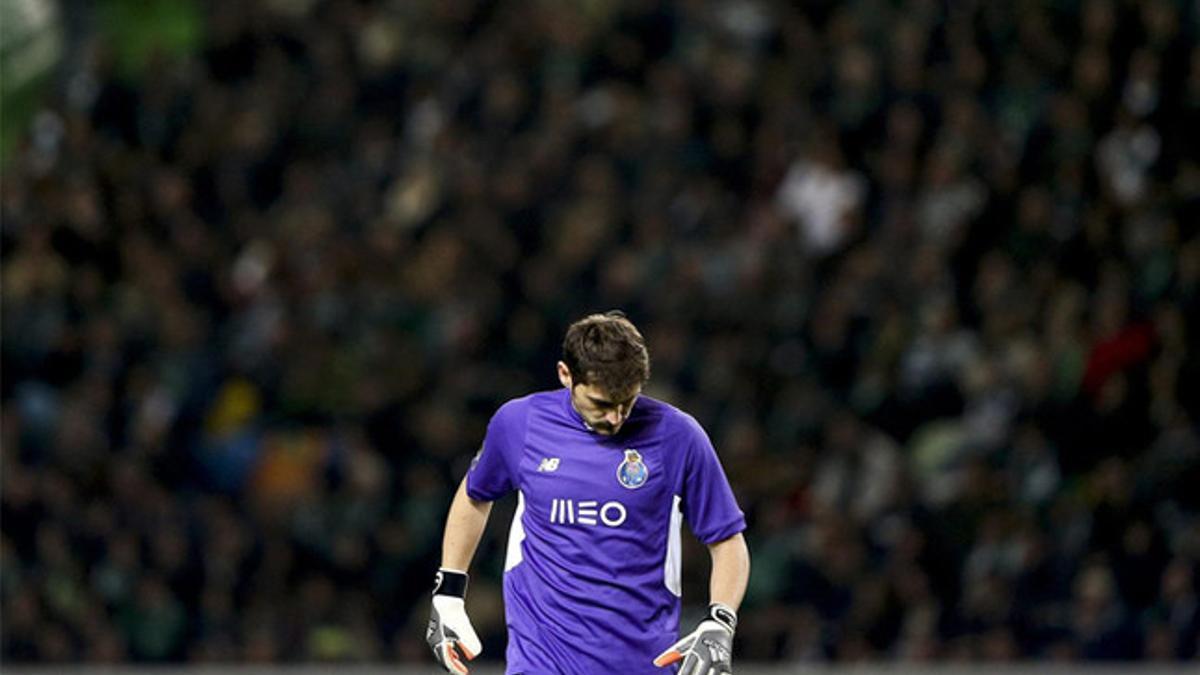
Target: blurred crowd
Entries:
(928, 272)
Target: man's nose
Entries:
(613, 417)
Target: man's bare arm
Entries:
(730, 571)
(709, 648)
(464, 527)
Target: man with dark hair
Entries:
(604, 478)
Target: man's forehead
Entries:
(600, 394)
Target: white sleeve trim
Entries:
(673, 564)
(516, 535)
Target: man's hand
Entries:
(709, 648)
(450, 634)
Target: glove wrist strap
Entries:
(724, 615)
(450, 582)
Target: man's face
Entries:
(604, 412)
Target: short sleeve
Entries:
(491, 476)
(711, 509)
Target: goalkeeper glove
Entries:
(450, 634)
(709, 648)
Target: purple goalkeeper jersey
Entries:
(591, 581)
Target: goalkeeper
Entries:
(604, 478)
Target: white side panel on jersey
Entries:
(673, 566)
(516, 535)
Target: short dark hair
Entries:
(608, 351)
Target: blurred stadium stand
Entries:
(929, 273)
(31, 46)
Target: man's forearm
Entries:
(709, 648)
(464, 527)
(730, 571)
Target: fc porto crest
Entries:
(632, 473)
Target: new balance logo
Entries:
(548, 464)
(570, 512)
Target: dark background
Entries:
(928, 272)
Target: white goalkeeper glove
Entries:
(708, 649)
(450, 634)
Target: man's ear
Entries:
(564, 375)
